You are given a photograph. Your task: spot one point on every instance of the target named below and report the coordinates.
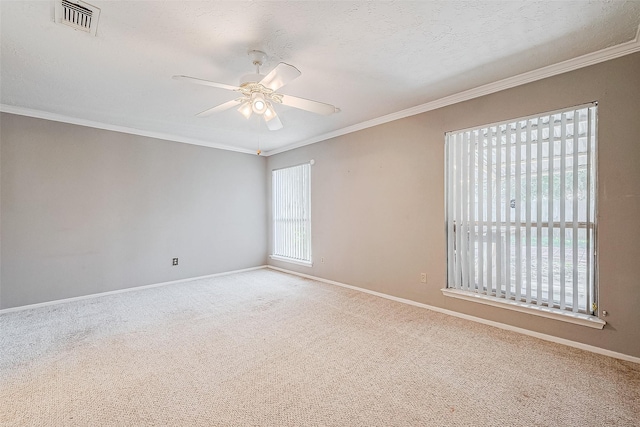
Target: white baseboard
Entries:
(551, 338)
(119, 291)
(534, 334)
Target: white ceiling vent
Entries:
(78, 15)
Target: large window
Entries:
(521, 206)
(292, 213)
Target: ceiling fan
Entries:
(258, 93)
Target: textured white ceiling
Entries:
(368, 58)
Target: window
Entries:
(292, 213)
(521, 206)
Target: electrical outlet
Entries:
(175, 261)
(423, 277)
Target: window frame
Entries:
(306, 218)
(584, 318)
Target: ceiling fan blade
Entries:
(220, 107)
(309, 105)
(206, 82)
(273, 123)
(280, 76)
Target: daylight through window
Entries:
(521, 209)
(292, 213)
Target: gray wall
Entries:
(86, 210)
(378, 200)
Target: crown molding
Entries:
(586, 60)
(38, 114)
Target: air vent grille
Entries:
(77, 16)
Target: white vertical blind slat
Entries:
(490, 233)
(283, 225)
(528, 207)
(472, 206)
(550, 215)
(280, 215)
(481, 218)
(508, 209)
(294, 213)
(527, 204)
(499, 217)
(588, 215)
(282, 219)
(450, 214)
(308, 215)
(303, 213)
(563, 196)
(540, 136)
(287, 215)
(458, 206)
(592, 208)
(300, 216)
(301, 221)
(274, 207)
(518, 221)
(574, 211)
(464, 220)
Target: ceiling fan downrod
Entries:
(258, 58)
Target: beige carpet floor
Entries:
(266, 348)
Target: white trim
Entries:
(545, 337)
(586, 60)
(38, 114)
(120, 291)
(592, 58)
(536, 310)
(291, 260)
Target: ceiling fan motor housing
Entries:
(251, 78)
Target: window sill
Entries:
(550, 313)
(292, 261)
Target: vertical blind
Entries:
(521, 209)
(292, 212)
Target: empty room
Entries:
(322, 213)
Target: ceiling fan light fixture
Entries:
(245, 109)
(259, 93)
(258, 103)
